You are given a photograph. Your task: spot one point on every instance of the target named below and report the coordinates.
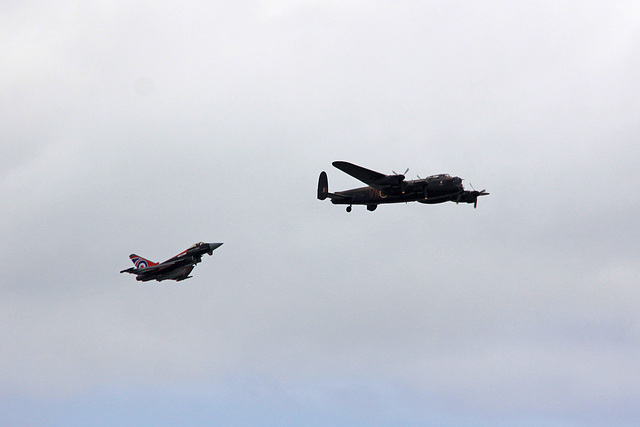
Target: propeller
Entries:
(405, 172)
(397, 179)
(475, 194)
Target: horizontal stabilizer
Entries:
(338, 196)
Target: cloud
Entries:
(144, 128)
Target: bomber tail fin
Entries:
(140, 262)
(323, 186)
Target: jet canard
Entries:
(177, 268)
(395, 188)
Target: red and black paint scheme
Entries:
(177, 268)
(394, 188)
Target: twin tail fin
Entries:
(323, 186)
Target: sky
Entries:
(144, 127)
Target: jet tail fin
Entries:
(323, 186)
(140, 262)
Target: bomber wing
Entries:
(374, 179)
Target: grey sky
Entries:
(147, 127)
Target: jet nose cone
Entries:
(213, 246)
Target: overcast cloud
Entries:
(147, 126)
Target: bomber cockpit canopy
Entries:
(441, 176)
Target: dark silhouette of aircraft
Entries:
(395, 189)
(176, 268)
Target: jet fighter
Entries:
(395, 188)
(177, 268)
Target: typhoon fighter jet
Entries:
(176, 268)
(395, 189)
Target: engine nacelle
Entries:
(391, 180)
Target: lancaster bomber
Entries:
(177, 268)
(394, 188)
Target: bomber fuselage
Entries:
(431, 190)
